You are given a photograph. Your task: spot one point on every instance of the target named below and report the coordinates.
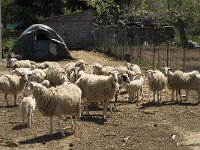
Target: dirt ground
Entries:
(132, 126)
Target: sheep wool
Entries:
(12, 84)
(57, 101)
(56, 76)
(68, 67)
(27, 106)
(98, 88)
(133, 87)
(157, 82)
(23, 64)
(133, 67)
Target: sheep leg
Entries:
(130, 97)
(29, 117)
(15, 99)
(73, 124)
(177, 95)
(6, 98)
(86, 108)
(23, 118)
(51, 125)
(187, 94)
(110, 106)
(172, 96)
(158, 96)
(141, 93)
(61, 130)
(137, 93)
(104, 109)
(154, 96)
(179, 92)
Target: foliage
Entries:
(8, 44)
(107, 12)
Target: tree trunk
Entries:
(180, 25)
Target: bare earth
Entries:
(136, 126)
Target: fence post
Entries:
(168, 54)
(184, 58)
(154, 56)
(158, 54)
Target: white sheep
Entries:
(19, 71)
(157, 82)
(68, 67)
(58, 101)
(23, 64)
(106, 70)
(134, 87)
(180, 80)
(28, 104)
(48, 64)
(133, 67)
(9, 62)
(190, 83)
(98, 88)
(12, 84)
(38, 75)
(99, 69)
(56, 76)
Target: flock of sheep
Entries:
(58, 91)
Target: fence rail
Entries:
(117, 42)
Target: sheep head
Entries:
(76, 70)
(35, 86)
(150, 75)
(125, 78)
(114, 75)
(167, 71)
(81, 64)
(25, 77)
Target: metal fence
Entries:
(139, 47)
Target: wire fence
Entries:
(146, 46)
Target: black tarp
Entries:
(26, 42)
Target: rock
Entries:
(71, 144)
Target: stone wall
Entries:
(75, 29)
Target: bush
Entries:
(8, 44)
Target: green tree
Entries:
(107, 12)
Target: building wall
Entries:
(75, 29)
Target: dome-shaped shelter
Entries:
(40, 42)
